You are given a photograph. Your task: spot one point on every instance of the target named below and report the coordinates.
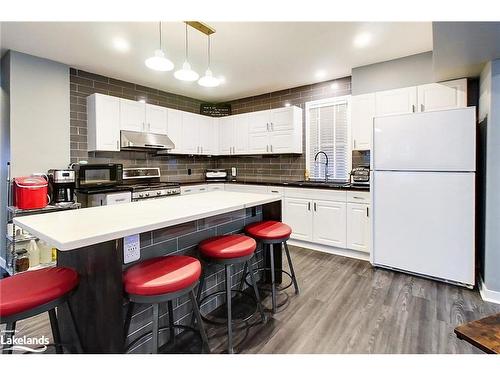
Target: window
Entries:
(327, 130)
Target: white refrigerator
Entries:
(423, 194)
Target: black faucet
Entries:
(326, 163)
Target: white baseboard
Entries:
(330, 249)
(486, 294)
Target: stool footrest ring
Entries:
(224, 321)
(279, 288)
(133, 345)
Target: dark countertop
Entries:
(300, 184)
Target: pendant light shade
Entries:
(186, 73)
(208, 80)
(159, 61)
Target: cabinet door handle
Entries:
(413, 107)
(315, 206)
(272, 126)
(367, 211)
(267, 126)
(271, 148)
(201, 149)
(118, 145)
(309, 206)
(354, 144)
(267, 148)
(422, 108)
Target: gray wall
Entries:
(4, 146)
(39, 114)
(490, 110)
(460, 49)
(406, 71)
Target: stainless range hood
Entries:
(130, 140)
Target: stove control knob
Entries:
(141, 195)
(147, 194)
(158, 193)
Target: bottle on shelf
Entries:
(22, 261)
(54, 254)
(33, 253)
(45, 252)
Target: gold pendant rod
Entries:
(201, 27)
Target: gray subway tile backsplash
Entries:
(175, 167)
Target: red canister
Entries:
(31, 192)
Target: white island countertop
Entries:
(68, 230)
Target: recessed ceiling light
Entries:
(362, 40)
(142, 100)
(320, 74)
(121, 44)
(287, 104)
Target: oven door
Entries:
(94, 175)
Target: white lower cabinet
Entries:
(358, 227)
(297, 213)
(329, 223)
(330, 218)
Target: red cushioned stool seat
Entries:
(228, 246)
(268, 230)
(25, 291)
(162, 275)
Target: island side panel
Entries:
(272, 211)
(97, 303)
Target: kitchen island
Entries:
(91, 242)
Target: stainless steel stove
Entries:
(145, 184)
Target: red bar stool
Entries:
(32, 293)
(269, 233)
(159, 280)
(229, 250)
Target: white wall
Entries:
(39, 114)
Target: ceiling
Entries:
(253, 57)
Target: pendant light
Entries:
(159, 61)
(208, 80)
(186, 73)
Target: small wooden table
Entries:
(483, 333)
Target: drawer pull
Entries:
(309, 206)
(358, 197)
(274, 191)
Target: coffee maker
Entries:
(62, 186)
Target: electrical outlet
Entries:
(131, 248)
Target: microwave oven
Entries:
(97, 175)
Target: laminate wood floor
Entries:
(347, 306)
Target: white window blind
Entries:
(328, 132)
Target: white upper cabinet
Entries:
(362, 113)
(142, 117)
(240, 125)
(132, 115)
(190, 134)
(174, 129)
(395, 102)
(226, 135)
(276, 131)
(156, 119)
(282, 119)
(209, 135)
(259, 121)
(103, 114)
(444, 95)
